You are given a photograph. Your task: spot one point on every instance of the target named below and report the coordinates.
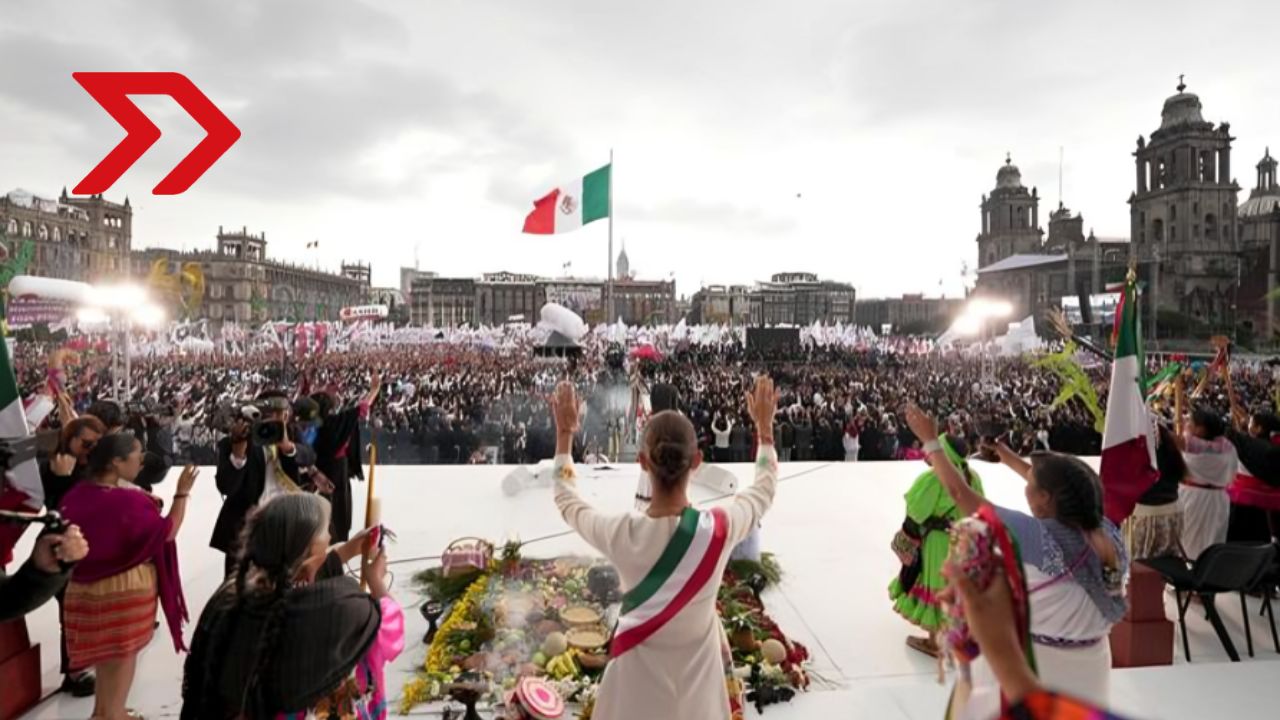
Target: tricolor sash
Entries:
(686, 566)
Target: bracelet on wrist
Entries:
(932, 447)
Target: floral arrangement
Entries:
(526, 617)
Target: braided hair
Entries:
(274, 545)
(1074, 487)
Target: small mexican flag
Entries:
(1128, 440)
(572, 205)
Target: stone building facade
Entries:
(243, 285)
(443, 302)
(1010, 218)
(1183, 213)
(909, 314)
(72, 238)
(800, 298)
(1258, 226)
(644, 302)
(504, 297)
(721, 305)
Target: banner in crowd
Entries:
(25, 311)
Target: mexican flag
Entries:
(20, 488)
(572, 205)
(1128, 440)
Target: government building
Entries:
(71, 238)
(242, 284)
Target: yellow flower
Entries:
(438, 657)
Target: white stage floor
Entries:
(830, 528)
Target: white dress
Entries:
(1068, 628)
(678, 673)
(1206, 509)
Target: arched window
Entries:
(26, 229)
(57, 234)
(12, 228)
(1210, 227)
(42, 233)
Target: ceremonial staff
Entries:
(372, 509)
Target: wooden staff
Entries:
(372, 513)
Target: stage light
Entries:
(982, 307)
(148, 315)
(92, 316)
(967, 324)
(117, 297)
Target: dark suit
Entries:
(338, 457)
(241, 489)
(30, 588)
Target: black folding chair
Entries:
(1223, 568)
(1267, 585)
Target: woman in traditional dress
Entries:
(290, 636)
(1155, 528)
(1075, 563)
(670, 656)
(1211, 466)
(110, 606)
(1255, 492)
(921, 545)
(990, 614)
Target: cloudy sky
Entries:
(851, 139)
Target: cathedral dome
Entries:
(1259, 205)
(1009, 176)
(1181, 109)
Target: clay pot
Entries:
(743, 640)
(546, 627)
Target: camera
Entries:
(267, 432)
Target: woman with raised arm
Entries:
(1255, 492)
(670, 657)
(110, 605)
(1211, 466)
(922, 541)
(1155, 528)
(1075, 562)
(291, 635)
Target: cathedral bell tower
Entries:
(1183, 211)
(1010, 218)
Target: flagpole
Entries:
(609, 289)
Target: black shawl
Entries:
(325, 629)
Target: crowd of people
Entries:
(466, 402)
(285, 436)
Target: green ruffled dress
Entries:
(925, 500)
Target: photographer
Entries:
(44, 575)
(255, 463)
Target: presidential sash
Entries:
(685, 567)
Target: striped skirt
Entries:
(110, 619)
